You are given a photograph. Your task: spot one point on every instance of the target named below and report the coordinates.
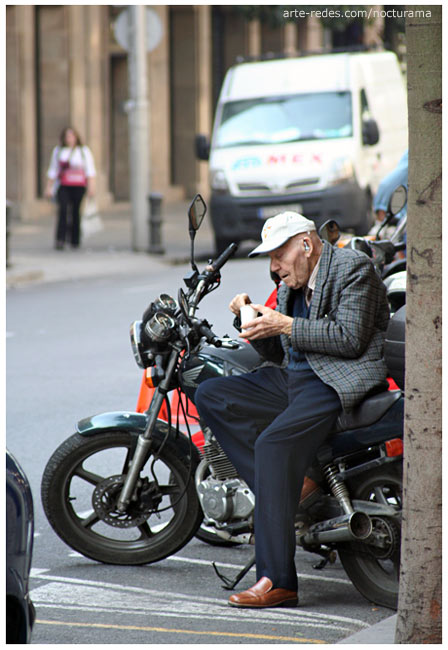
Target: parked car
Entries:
(314, 134)
(20, 612)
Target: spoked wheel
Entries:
(81, 485)
(374, 567)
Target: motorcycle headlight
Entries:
(160, 327)
(135, 334)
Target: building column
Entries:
(290, 38)
(159, 102)
(314, 34)
(203, 30)
(77, 69)
(373, 32)
(254, 38)
(96, 134)
(27, 187)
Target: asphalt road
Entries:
(68, 356)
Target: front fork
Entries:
(145, 439)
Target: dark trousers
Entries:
(69, 200)
(270, 423)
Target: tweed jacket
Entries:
(344, 335)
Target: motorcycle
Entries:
(383, 252)
(388, 255)
(129, 488)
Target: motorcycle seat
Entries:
(368, 411)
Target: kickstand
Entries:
(231, 584)
(329, 557)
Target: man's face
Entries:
(291, 263)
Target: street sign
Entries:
(154, 30)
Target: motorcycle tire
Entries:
(376, 577)
(85, 468)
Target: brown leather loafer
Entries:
(310, 492)
(263, 595)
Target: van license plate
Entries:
(271, 210)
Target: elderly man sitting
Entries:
(323, 351)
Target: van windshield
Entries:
(273, 120)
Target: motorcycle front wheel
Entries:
(80, 488)
(374, 568)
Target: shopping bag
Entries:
(91, 222)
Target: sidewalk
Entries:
(33, 260)
(382, 633)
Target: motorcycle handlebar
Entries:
(210, 336)
(387, 249)
(210, 276)
(401, 246)
(225, 255)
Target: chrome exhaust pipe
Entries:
(356, 526)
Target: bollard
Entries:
(8, 223)
(155, 223)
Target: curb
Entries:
(381, 633)
(23, 278)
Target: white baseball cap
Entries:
(277, 230)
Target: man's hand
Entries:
(239, 300)
(270, 323)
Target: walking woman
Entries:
(70, 174)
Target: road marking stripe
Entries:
(299, 622)
(303, 576)
(198, 599)
(188, 560)
(168, 630)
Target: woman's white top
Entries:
(79, 157)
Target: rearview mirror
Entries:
(360, 244)
(330, 231)
(196, 212)
(398, 200)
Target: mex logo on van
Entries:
(251, 162)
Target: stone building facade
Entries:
(65, 67)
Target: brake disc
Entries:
(104, 501)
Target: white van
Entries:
(313, 134)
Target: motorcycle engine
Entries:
(225, 501)
(223, 495)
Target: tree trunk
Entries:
(420, 601)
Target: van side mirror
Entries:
(370, 132)
(202, 147)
